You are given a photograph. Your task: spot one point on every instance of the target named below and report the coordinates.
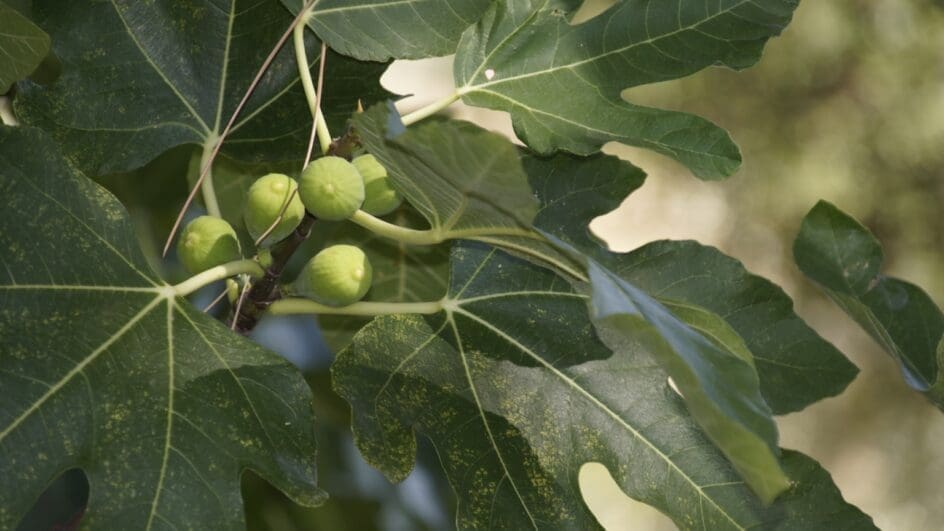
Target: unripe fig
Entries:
(337, 276)
(207, 242)
(331, 188)
(265, 200)
(380, 197)
(232, 291)
(265, 258)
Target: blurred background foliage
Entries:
(847, 106)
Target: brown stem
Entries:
(266, 290)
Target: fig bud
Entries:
(337, 276)
(207, 242)
(380, 197)
(265, 201)
(331, 188)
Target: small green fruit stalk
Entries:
(207, 242)
(381, 197)
(265, 201)
(331, 188)
(337, 276)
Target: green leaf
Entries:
(104, 369)
(378, 30)
(23, 46)
(575, 190)
(516, 392)
(796, 366)
(572, 191)
(845, 259)
(142, 77)
(720, 387)
(562, 82)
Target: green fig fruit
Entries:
(337, 276)
(380, 197)
(232, 291)
(331, 188)
(265, 258)
(207, 242)
(265, 201)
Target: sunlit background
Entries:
(847, 106)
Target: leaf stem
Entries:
(6, 112)
(431, 109)
(231, 269)
(206, 187)
(305, 306)
(304, 71)
(396, 232)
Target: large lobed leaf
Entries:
(717, 380)
(104, 369)
(516, 392)
(23, 46)
(562, 82)
(154, 75)
(379, 30)
(845, 259)
(708, 357)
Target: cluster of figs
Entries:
(330, 188)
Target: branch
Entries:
(266, 290)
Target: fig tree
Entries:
(207, 242)
(331, 188)
(265, 201)
(337, 276)
(380, 197)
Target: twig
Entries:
(216, 300)
(266, 290)
(239, 303)
(318, 97)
